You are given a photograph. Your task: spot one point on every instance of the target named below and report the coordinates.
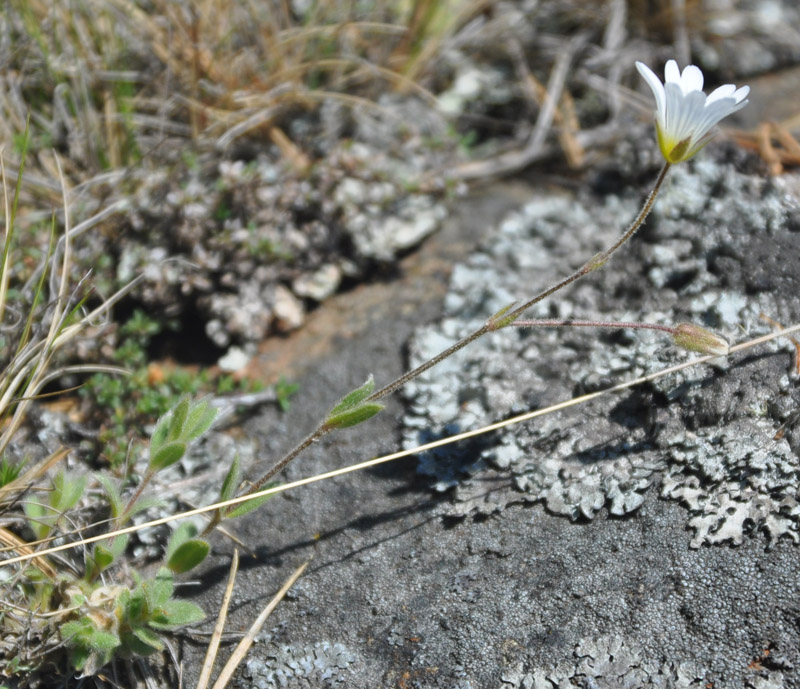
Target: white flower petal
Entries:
(655, 86)
(686, 117)
(676, 125)
(714, 112)
(691, 79)
(725, 91)
(672, 74)
(741, 94)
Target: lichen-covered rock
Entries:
(613, 662)
(218, 239)
(705, 433)
(319, 665)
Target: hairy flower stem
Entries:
(321, 431)
(593, 324)
(508, 318)
(138, 493)
(502, 320)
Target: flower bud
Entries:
(697, 339)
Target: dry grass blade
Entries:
(213, 644)
(774, 142)
(14, 542)
(297, 33)
(767, 150)
(793, 340)
(4, 268)
(299, 161)
(32, 475)
(514, 161)
(29, 376)
(564, 115)
(575, 401)
(247, 641)
(431, 29)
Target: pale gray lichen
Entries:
(244, 237)
(693, 263)
(612, 662)
(733, 482)
(317, 665)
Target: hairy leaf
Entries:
(353, 399)
(178, 613)
(188, 555)
(354, 416)
(167, 455)
(248, 506)
(231, 480)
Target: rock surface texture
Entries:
(645, 539)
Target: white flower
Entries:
(685, 116)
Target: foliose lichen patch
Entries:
(704, 434)
(612, 662)
(317, 665)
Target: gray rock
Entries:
(518, 595)
(564, 463)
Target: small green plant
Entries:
(9, 471)
(46, 514)
(118, 620)
(47, 607)
(124, 405)
(284, 391)
(102, 608)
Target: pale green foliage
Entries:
(354, 408)
(129, 622)
(175, 430)
(184, 551)
(228, 490)
(119, 613)
(46, 511)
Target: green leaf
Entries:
(8, 470)
(70, 630)
(497, 320)
(188, 555)
(177, 613)
(38, 519)
(78, 656)
(167, 455)
(134, 605)
(103, 641)
(135, 645)
(248, 506)
(76, 599)
(182, 533)
(100, 559)
(159, 436)
(149, 638)
(67, 490)
(118, 545)
(231, 480)
(82, 632)
(353, 399)
(353, 416)
(160, 588)
(111, 488)
(200, 419)
(178, 419)
(143, 504)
